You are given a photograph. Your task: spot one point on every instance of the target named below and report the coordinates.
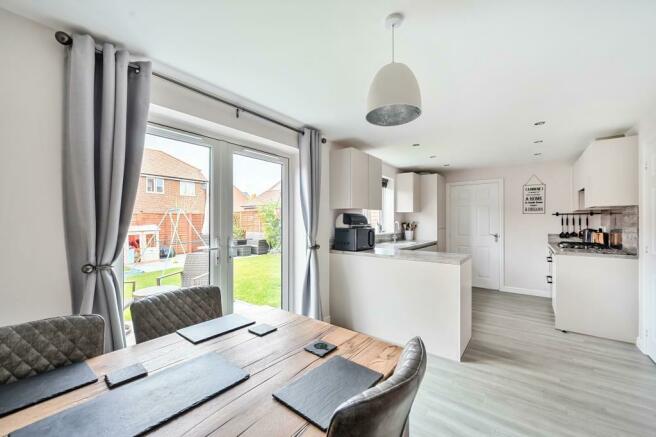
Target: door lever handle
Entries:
(496, 237)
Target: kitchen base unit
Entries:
(396, 295)
(596, 295)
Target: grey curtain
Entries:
(310, 169)
(107, 108)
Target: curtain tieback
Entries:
(90, 268)
(314, 247)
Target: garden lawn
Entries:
(148, 279)
(257, 279)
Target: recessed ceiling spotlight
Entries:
(539, 123)
(538, 142)
(537, 154)
(416, 145)
(432, 156)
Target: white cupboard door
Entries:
(340, 179)
(648, 240)
(474, 227)
(375, 183)
(359, 179)
(408, 192)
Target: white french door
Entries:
(250, 261)
(474, 226)
(182, 229)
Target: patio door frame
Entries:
(220, 207)
(285, 216)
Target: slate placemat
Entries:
(317, 394)
(142, 405)
(262, 329)
(213, 328)
(125, 375)
(38, 388)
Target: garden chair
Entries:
(194, 273)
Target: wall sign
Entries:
(534, 196)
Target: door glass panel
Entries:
(257, 230)
(168, 238)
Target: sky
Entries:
(250, 175)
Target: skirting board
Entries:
(641, 345)
(528, 291)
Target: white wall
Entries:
(525, 235)
(32, 260)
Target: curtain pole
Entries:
(65, 39)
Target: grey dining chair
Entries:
(165, 313)
(384, 409)
(40, 346)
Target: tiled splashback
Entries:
(626, 219)
(381, 238)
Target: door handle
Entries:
(496, 237)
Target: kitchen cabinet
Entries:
(355, 180)
(375, 183)
(606, 174)
(596, 295)
(408, 192)
(431, 218)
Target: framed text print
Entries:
(534, 196)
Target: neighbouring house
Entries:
(169, 210)
(245, 207)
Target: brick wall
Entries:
(171, 198)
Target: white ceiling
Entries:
(487, 69)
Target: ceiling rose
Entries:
(394, 96)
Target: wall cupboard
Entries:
(355, 180)
(606, 174)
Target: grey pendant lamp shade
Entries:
(394, 96)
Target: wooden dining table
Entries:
(248, 408)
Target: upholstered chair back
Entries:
(383, 410)
(37, 347)
(164, 313)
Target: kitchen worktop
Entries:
(408, 250)
(554, 239)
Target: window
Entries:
(155, 185)
(383, 220)
(187, 188)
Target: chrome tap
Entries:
(396, 225)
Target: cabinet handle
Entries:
(549, 259)
(549, 279)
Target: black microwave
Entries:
(354, 239)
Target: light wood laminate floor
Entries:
(521, 377)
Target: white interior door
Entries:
(648, 229)
(474, 227)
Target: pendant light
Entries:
(394, 96)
